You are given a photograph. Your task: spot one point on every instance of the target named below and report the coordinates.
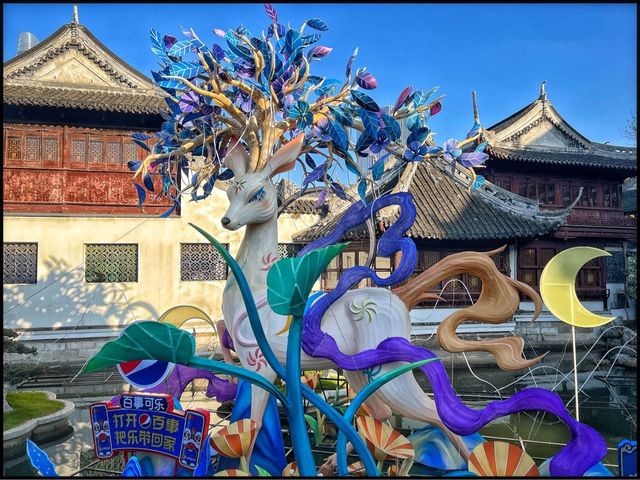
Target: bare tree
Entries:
(630, 130)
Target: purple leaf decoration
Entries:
(472, 159)
(219, 32)
(169, 41)
(271, 12)
(315, 175)
(435, 108)
(338, 190)
(366, 80)
(318, 52)
(321, 198)
(401, 98)
(218, 52)
(352, 59)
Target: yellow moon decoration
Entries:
(179, 315)
(558, 287)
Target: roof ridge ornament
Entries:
(75, 14)
(543, 94)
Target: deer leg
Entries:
(259, 399)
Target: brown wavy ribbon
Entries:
(498, 302)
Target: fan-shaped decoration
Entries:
(291, 470)
(357, 469)
(234, 440)
(232, 472)
(382, 440)
(363, 411)
(501, 459)
(311, 380)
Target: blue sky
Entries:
(587, 53)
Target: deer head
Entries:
(252, 195)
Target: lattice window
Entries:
(14, 148)
(289, 250)
(79, 151)
(32, 148)
(95, 151)
(20, 263)
(129, 151)
(202, 262)
(50, 149)
(111, 262)
(113, 153)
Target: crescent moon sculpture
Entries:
(558, 287)
(179, 315)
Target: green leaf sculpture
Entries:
(142, 341)
(290, 280)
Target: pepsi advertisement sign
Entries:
(168, 432)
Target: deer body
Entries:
(358, 321)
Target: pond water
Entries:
(608, 405)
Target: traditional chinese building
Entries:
(532, 201)
(81, 260)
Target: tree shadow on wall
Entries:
(64, 300)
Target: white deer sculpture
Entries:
(358, 321)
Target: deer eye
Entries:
(259, 195)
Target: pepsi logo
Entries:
(144, 420)
(145, 373)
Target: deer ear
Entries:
(285, 158)
(237, 159)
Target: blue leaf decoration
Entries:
(369, 121)
(392, 126)
(226, 175)
(309, 161)
(365, 101)
(140, 136)
(378, 169)
(157, 44)
(481, 147)
(351, 167)
(133, 165)
(181, 48)
(341, 116)
(171, 210)
(141, 144)
(364, 141)
(148, 183)
(414, 122)
(418, 135)
(170, 84)
(479, 181)
(187, 70)
(338, 136)
(352, 59)
(40, 460)
(317, 24)
(362, 190)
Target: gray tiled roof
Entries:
(85, 99)
(598, 159)
(445, 210)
